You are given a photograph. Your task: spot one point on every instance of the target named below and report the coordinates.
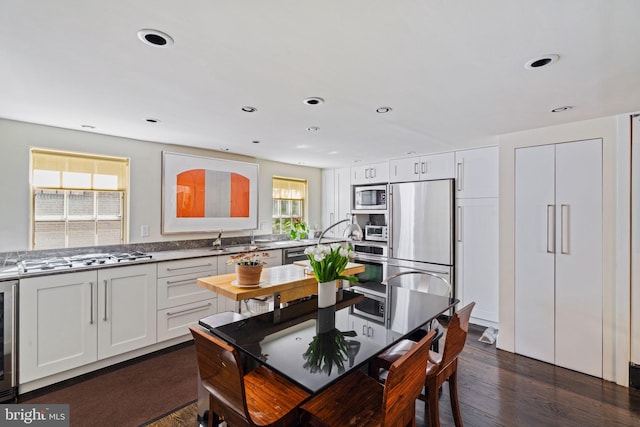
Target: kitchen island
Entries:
(286, 283)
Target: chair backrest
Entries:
(221, 372)
(404, 383)
(456, 335)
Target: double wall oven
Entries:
(373, 255)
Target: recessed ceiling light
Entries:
(256, 142)
(313, 128)
(314, 100)
(88, 126)
(561, 109)
(224, 149)
(357, 161)
(152, 120)
(248, 109)
(383, 109)
(410, 152)
(541, 61)
(155, 38)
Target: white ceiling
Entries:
(452, 70)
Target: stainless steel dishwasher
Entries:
(291, 255)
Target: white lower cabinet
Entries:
(368, 329)
(70, 320)
(181, 302)
(477, 258)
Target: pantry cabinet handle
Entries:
(423, 168)
(191, 266)
(460, 171)
(189, 310)
(460, 224)
(91, 304)
(564, 229)
(551, 229)
(415, 169)
(105, 301)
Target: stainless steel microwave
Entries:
(370, 197)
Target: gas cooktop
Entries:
(77, 261)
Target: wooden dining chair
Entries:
(359, 400)
(259, 398)
(440, 369)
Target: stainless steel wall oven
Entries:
(375, 304)
(8, 372)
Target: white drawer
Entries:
(174, 322)
(185, 266)
(183, 289)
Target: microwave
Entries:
(370, 197)
(377, 233)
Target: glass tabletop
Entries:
(315, 347)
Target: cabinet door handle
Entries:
(415, 169)
(372, 173)
(191, 266)
(423, 167)
(366, 173)
(460, 224)
(564, 229)
(91, 303)
(105, 301)
(460, 171)
(551, 229)
(189, 310)
(364, 330)
(370, 332)
(395, 170)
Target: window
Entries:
(289, 195)
(77, 199)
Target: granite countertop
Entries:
(11, 272)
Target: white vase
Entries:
(326, 294)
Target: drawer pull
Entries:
(189, 310)
(191, 266)
(176, 282)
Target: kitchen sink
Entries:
(236, 249)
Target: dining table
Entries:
(315, 347)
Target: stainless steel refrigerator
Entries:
(421, 235)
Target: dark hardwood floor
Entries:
(497, 388)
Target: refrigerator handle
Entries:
(390, 229)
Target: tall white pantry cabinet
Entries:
(558, 259)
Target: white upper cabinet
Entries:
(370, 174)
(336, 198)
(435, 166)
(477, 173)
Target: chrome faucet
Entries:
(218, 242)
(252, 240)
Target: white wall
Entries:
(145, 171)
(615, 210)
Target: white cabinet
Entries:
(435, 166)
(477, 173)
(477, 258)
(70, 320)
(368, 329)
(126, 309)
(336, 199)
(558, 259)
(181, 302)
(370, 174)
